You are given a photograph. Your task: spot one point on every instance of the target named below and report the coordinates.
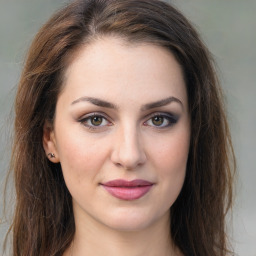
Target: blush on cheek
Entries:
(173, 163)
(81, 160)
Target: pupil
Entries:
(158, 120)
(96, 120)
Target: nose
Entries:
(128, 151)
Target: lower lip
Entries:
(128, 193)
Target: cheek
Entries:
(80, 157)
(170, 162)
(172, 153)
(81, 162)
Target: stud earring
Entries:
(51, 155)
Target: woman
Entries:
(121, 142)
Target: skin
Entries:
(128, 144)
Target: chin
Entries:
(129, 221)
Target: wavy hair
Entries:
(43, 222)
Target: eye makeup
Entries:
(95, 121)
(159, 120)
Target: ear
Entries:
(49, 143)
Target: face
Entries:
(121, 133)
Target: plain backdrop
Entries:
(229, 29)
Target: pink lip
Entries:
(128, 190)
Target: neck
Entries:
(93, 238)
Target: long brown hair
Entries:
(43, 223)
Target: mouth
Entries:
(127, 190)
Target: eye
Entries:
(161, 120)
(158, 120)
(94, 121)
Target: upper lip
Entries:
(126, 183)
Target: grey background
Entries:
(229, 29)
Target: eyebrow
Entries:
(161, 103)
(106, 104)
(96, 101)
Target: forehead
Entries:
(113, 66)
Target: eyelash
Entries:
(167, 117)
(88, 118)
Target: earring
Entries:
(51, 155)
